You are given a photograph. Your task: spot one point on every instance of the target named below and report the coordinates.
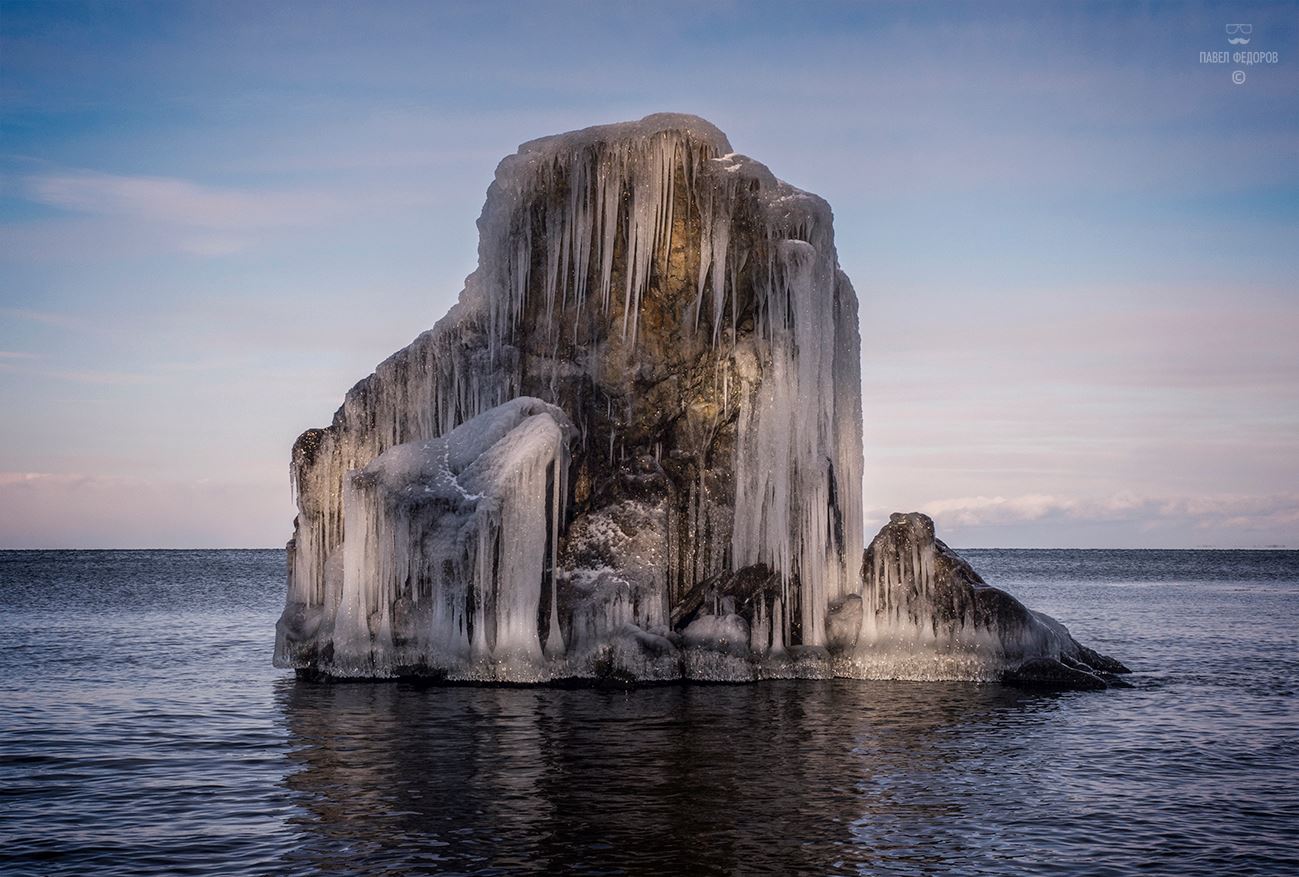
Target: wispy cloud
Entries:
(177, 201)
(213, 245)
(110, 211)
(79, 376)
(48, 318)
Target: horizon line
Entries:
(958, 549)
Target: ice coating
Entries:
(926, 614)
(451, 541)
(677, 316)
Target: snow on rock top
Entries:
(695, 128)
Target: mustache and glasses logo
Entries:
(1238, 34)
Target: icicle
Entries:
(759, 635)
(705, 254)
(783, 510)
(554, 639)
(777, 627)
(720, 239)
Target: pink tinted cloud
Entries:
(177, 201)
(78, 376)
(76, 510)
(114, 213)
(1227, 514)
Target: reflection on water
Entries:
(800, 776)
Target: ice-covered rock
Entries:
(451, 542)
(926, 614)
(632, 449)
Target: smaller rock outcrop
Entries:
(925, 614)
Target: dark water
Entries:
(143, 731)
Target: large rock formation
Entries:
(632, 450)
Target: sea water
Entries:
(143, 731)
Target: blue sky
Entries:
(1076, 246)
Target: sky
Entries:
(1075, 244)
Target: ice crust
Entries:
(451, 541)
(650, 383)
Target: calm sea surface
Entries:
(143, 731)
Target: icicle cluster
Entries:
(926, 614)
(917, 617)
(792, 464)
(450, 543)
(578, 201)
